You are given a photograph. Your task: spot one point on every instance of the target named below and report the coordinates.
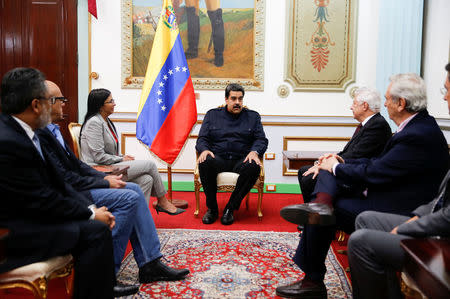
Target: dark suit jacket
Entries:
(408, 171)
(81, 176)
(34, 197)
(369, 141)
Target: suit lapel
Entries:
(108, 132)
(354, 137)
(18, 128)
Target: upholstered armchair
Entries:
(35, 277)
(226, 181)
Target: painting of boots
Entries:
(221, 40)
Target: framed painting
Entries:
(223, 43)
(321, 44)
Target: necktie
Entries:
(357, 129)
(37, 144)
(440, 202)
(57, 133)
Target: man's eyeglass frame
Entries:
(54, 99)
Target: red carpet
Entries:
(244, 220)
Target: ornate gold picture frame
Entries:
(321, 44)
(243, 53)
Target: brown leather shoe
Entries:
(303, 289)
(309, 213)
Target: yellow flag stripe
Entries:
(162, 45)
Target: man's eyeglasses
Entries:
(54, 99)
(444, 91)
(110, 101)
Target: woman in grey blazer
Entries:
(100, 145)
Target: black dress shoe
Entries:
(158, 271)
(309, 213)
(227, 217)
(303, 289)
(120, 290)
(210, 217)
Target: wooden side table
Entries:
(294, 160)
(427, 263)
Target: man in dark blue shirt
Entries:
(231, 139)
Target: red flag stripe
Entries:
(92, 7)
(176, 128)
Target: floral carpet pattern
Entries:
(230, 264)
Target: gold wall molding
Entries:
(124, 136)
(265, 123)
(270, 115)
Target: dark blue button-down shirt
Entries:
(232, 136)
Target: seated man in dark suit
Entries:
(125, 201)
(39, 209)
(405, 175)
(231, 139)
(374, 252)
(368, 141)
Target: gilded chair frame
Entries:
(39, 286)
(75, 140)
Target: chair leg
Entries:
(69, 284)
(197, 201)
(341, 236)
(40, 287)
(259, 206)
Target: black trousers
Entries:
(307, 183)
(89, 242)
(248, 174)
(316, 240)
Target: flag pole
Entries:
(179, 203)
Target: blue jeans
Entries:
(133, 222)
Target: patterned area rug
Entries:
(230, 264)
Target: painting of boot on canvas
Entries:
(219, 39)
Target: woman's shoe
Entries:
(161, 209)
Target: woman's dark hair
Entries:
(96, 100)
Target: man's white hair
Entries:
(369, 95)
(410, 87)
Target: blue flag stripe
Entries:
(165, 91)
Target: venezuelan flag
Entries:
(167, 110)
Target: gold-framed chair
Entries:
(75, 130)
(226, 181)
(35, 277)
